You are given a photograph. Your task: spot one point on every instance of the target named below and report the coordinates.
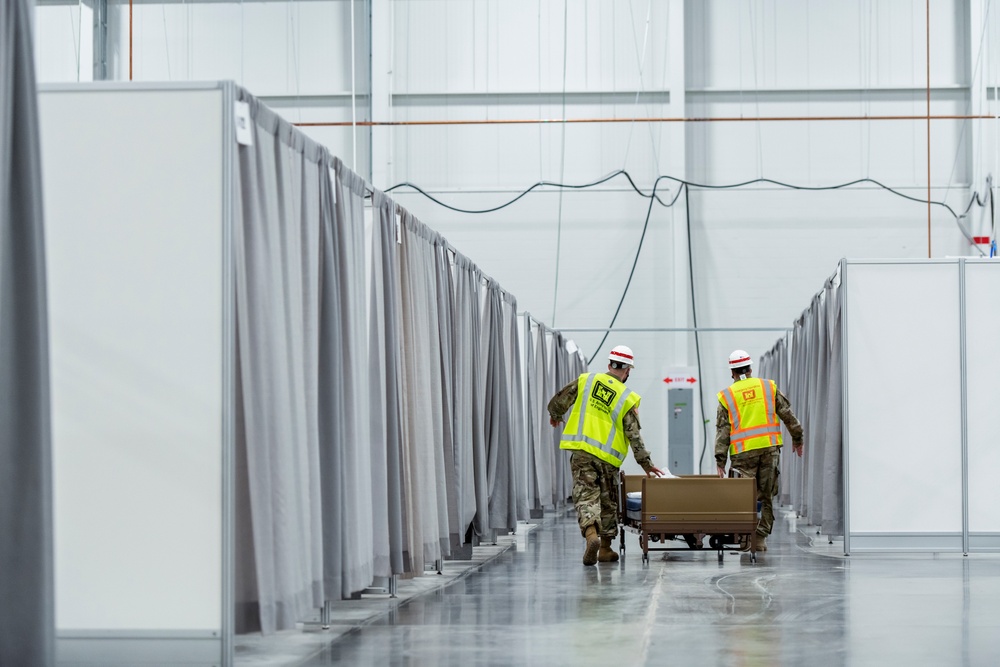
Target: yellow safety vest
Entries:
(753, 421)
(595, 424)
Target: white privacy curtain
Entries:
(27, 631)
(380, 404)
(806, 364)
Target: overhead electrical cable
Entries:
(635, 261)
(976, 199)
(694, 321)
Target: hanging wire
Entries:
(242, 48)
(189, 13)
(756, 86)
(562, 163)
(968, 107)
(74, 28)
(864, 77)
(635, 261)
(640, 58)
(166, 42)
(541, 162)
(294, 46)
(354, 105)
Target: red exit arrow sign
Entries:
(680, 380)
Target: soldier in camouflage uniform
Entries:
(760, 463)
(595, 481)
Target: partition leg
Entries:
(324, 615)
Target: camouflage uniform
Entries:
(595, 482)
(761, 464)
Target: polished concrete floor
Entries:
(799, 604)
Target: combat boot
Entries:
(606, 553)
(760, 542)
(593, 544)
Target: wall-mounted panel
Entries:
(982, 286)
(134, 240)
(904, 417)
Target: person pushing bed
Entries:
(748, 432)
(603, 423)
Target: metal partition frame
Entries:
(960, 541)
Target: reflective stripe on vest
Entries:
(606, 449)
(745, 437)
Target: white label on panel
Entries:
(243, 133)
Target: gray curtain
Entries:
(540, 467)
(832, 515)
(518, 426)
(276, 248)
(569, 363)
(422, 413)
(445, 294)
(384, 373)
(806, 363)
(550, 365)
(496, 413)
(27, 620)
(354, 477)
(470, 438)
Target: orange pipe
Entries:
(718, 119)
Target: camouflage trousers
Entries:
(762, 465)
(595, 493)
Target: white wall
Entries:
(760, 252)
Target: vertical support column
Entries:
(230, 191)
(964, 375)
(100, 40)
(844, 395)
(528, 354)
(381, 43)
(676, 164)
(977, 138)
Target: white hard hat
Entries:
(739, 359)
(622, 355)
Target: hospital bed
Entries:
(723, 509)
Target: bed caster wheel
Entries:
(717, 541)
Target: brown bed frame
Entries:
(725, 509)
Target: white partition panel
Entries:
(904, 411)
(135, 207)
(982, 291)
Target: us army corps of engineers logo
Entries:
(603, 394)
